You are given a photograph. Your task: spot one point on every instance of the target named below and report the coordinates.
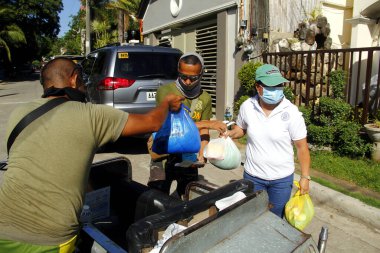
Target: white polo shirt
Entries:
(269, 153)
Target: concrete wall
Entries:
(158, 14)
(184, 40)
(336, 15)
(225, 79)
(365, 33)
(285, 15)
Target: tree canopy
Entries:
(29, 28)
(38, 20)
(10, 33)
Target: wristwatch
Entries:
(306, 177)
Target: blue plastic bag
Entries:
(178, 134)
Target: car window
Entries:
(87, 65)
(141, 65)
(98, 67)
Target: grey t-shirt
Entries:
(42, 191)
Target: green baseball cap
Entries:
(269, 75)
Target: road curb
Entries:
(324, 196)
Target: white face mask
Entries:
(272, 95)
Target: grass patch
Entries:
(368, 200)
(362, 172)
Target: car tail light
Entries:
(113, 83)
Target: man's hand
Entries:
(211, 124)
(151, 121)
(174, 101)
(201, 161)
(236, 132)
(218, 125)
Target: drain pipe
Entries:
(323, 239)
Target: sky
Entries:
(70, 7)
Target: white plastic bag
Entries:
(215, 149)
(170, 231)
(231, 157)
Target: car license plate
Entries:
(151, 96)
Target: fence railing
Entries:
(309, 75)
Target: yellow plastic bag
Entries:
(299, 210)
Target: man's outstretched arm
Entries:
(151, 121)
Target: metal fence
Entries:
(309, 75)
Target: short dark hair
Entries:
(56, 70)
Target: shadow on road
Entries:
(22, 77)
(126, 145)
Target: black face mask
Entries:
(73, 94)
(188, 91)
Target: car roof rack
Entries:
(110, 45)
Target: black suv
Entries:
(128, 76)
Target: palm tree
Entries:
(127, 10)
(10, 33)
(102, 34)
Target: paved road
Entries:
(346, 233)
(11, 95)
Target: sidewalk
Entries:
(324, 196)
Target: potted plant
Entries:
(373, 130)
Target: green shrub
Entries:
(36, 64)
(247, 75)
(239, 102)
(333, 125)
(288, 93)
(329, 111)
(348, 142)
(338, 82)
(306, 113)
(320, 136)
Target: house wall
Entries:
(285, 15)
(184, 39)
(336, 13)
(226, 89)
(365, 33)
(158, 14)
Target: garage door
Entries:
(206, 46)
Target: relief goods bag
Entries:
(299, 210)
(178, 134)
(231, 158)
(215, 149)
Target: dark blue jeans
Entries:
(278, 190)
